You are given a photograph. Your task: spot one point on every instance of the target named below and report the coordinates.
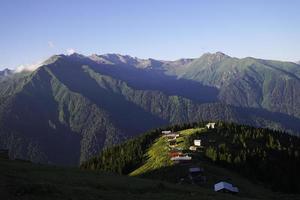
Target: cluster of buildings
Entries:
(195, 173)
(175, 153)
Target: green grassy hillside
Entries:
(158, 153)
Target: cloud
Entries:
(70, 51)
(28, 67)
(51, 44)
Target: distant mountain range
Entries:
(6, 72)
(73, 106)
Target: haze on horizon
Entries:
(32, 31)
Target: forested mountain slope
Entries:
(71, 107)
(247, 82)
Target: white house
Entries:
(166, 132)
(211, 125)
(225, 187)
(197, 143)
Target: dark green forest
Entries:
(260, 154)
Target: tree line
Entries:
(262, 155)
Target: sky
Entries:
(33, 30)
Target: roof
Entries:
(166, 132)
(195, 169)
(175, 154)
(181, 158)
(225, 186)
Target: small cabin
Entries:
(166, 132)
(225, 187)
(197, 143)
(181, 158)
(211, 125)
(4, 154)
(193, 148)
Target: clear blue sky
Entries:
(32, 30)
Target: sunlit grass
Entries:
(158, 153)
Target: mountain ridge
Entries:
(108, 58)
(75, 106)
(5, 73)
